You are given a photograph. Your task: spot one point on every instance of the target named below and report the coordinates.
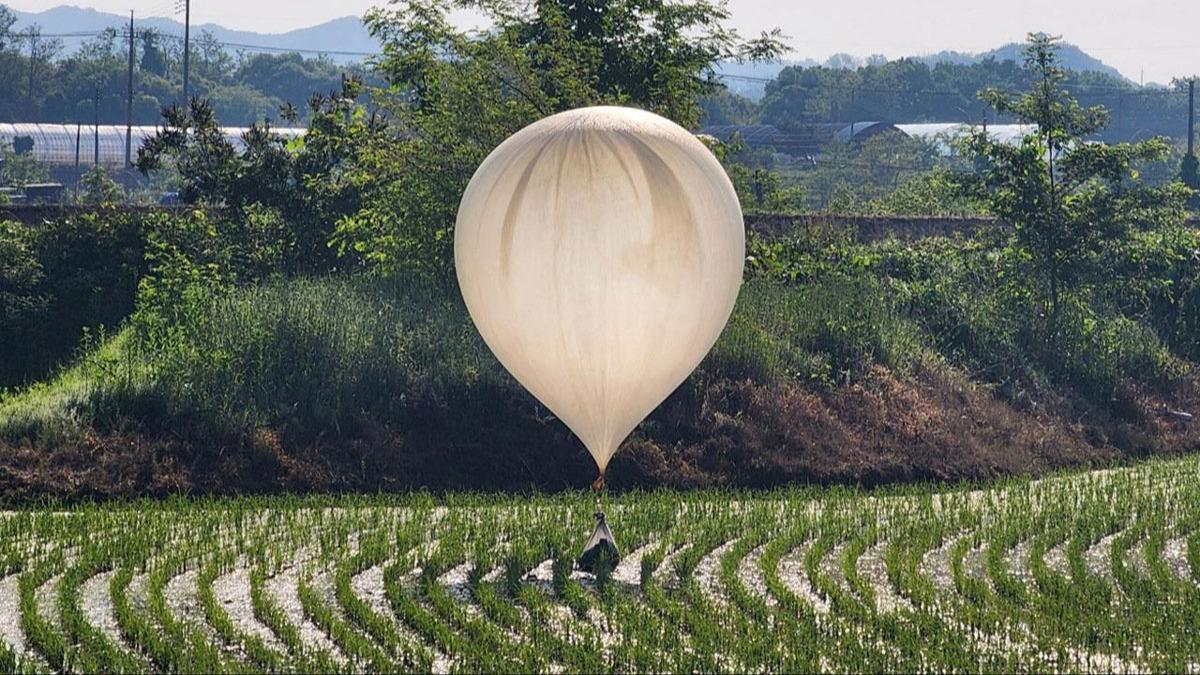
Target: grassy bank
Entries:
(843, 362)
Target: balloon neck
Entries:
(599, 484)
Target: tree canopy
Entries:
(1067, 199)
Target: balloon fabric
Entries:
(600, 253)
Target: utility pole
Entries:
(1189, 169)
(187, 45)
(129, 98)
(96, 126)
(33, 37)
(1191, 114)
(78, 138)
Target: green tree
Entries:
(100, 188)
(454, 96)
(1068, 198)
(211, 62)
(7, 20)
(153, 59)
(20, 168)
(240, 105)
(309, 183)
(288, 78)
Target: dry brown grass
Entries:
(931, 426)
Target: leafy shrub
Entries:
(1187, 329)
(20, 168)
(196, 257)
(972, 301)
(931, 193)
(20, 277)
(1097, 353)
(100, 188)
(80, 272)
(1149, 277)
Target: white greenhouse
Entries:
(944, 132)
(61, 145)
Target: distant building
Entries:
(805, 141)
(943, 133)
(857, 132)
(808, 140)
(751, 135)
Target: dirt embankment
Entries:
(886, 429)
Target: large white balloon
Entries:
(600, 253)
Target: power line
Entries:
(24, 35)
(299, 50)
(1083, 88)
(1080, 89)
(236, 45)
(166, 9)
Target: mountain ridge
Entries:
(748, 79)
(347, 39)
(343, 39)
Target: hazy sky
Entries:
(1157, 39)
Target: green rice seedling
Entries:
(96, 651)
(43, 636)
(258, 652)
(307, 657)
(1071, 573)
(362, 651)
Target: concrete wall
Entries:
(874, 228)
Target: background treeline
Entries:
(912, 90)
(45, 83)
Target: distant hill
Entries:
(1072, 57)
(749, 79)
(343, 39)
(346, 38)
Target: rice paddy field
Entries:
(1072, 573)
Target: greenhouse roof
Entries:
(66, 144)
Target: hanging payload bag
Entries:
(601, 547)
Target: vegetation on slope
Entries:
(891, 361)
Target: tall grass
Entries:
(830, 330)
(322, 353)
(101, 387)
